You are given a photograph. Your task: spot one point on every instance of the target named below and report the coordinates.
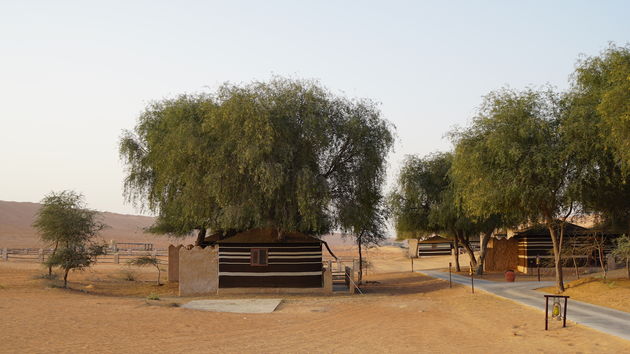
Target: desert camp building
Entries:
(252, 261)
(520, 250)
(432, 246)
(259, 259)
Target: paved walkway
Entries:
(600, 318)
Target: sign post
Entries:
(538, 266)
(472, 278)
(450, 283)
(555, 311)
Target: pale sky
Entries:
(74, 74)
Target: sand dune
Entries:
(16, 219)
(16, 231)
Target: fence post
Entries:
(116, 258)
(41, 255)
(5, 254)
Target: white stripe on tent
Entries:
(270, 253)
(273, 263)
(269, 274)
(227, 247)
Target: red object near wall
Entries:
(510, 276)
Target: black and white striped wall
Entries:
(289, 265)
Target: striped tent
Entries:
(535, 242)
(258, 258)
(434, 246)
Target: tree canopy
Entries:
(64, 217)
(598, 128)
(603, 84)
(286, 154)
(418, 194)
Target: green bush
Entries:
(129, 275)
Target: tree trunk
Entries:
(65, 278)
(201, 236)
(556, 252)
(469, 250)
(360, 261)
(628, 267)
(280, 234)
(577, 273)
(600, 252)
(599, 246)
(158, 280)
(485, 238)
(457, 267)
(51, 255)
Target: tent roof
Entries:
(541, 229)
(269, 235)
(436, 239)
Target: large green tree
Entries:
(515, 159)
(286, 154)
(425, 201)
(597, 128)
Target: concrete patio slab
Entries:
(235, 306)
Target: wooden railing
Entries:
(40, 255)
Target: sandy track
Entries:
(404, 312)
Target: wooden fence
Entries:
(39, 255)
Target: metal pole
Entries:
(538, 266)
(472, 279)
(412, 264)
(546, 311)
(450, 283)
(564, 317)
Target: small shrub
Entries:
(611, 284)
(153, 296)
(128, 275)
(147, 261)
(51, 276)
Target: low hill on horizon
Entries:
(16, 231)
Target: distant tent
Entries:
(434, 246)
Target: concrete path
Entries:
(600, 318)
(236, 306)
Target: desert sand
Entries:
(400, 312)
(613, 292)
